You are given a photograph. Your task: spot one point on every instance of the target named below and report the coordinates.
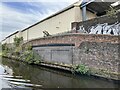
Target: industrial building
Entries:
(61, 21)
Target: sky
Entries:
(18, 14)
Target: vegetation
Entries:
(5, 49)
(0, 49)
(17, 46)
(112, 12)
(29, 56)
(18, 41)
(80, 68)
(22, 53)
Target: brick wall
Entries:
(98, 52)
(75, 38)
(102, 57)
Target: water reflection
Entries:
(3, 83)
(19, 74)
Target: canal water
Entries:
(15, 74)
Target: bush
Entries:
(30, 57)
(82, 69)
(18, 41)
(5, 49)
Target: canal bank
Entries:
(22, 75)
(96, 55)
(67, 69)
(100, 53)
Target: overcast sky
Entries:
(19, 14)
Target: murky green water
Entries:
(14, 74)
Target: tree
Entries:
(18, 41)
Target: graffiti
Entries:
(82, 29)
(113, 29)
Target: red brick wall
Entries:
(76, 39)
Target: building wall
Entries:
(56, 24)
(59, 23)
(3, 42)
(24, 35)
(7, 40)
(10, 39)
(18, 34)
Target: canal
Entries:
(15, 74)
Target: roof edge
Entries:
(59, 12)
(12, 34)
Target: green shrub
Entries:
(30, 57)
(25, 54)
(37, 58)
(82, 69)
(5, 49)
(18, 41)
(29, 47)
(4, 46)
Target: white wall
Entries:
(59, 23)
(56, 24)
(7, 40)
(3, 42)
(18, 34)
(24, 35)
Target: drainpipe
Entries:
(84, 13)
(83, 6)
